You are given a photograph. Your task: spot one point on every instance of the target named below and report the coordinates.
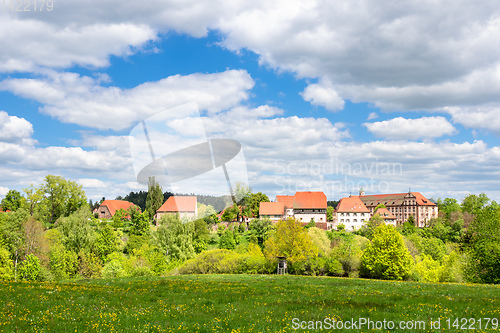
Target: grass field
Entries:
(242, 303)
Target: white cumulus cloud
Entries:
(82, 100)
(14, 129)
(323, 95)
(411, 129)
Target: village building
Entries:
(386, 215)
(274, 211)
(402, 205)
(303, 206)
(308, 206)
(352, 213)
(185, 206)
(108, 208)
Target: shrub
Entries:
(113, 269)
(227, 240)
(6, 266)
(386, 257)
(29, 270)
(224, 261)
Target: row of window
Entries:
(352, 214)
(355, 220)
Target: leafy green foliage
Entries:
(290, 240)
(230, 214)
(474, 204)
(12, 201)
(29, 270)
(482, 245)
(119, 218)
(434, 247)
(320, 240)
(310, 224)
(386, 257)
(61, 198)
(252, 202)
(106, 242)
(427, 269)
(259, 230)
(63, 263)
(174, 238)
(224, 261)
(140, 223)
(329, 213)
(227, 241)
(201, 236)
(347, 250)
(368, 230)
(6, 266)
(154, 199)
(76, 230)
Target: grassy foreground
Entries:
(239, 303)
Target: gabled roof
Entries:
(179, 204)
(351, 204)
(394, 199)
(309, 200)
(272, 208)
(114, 205)
(385, 214)
(286, 199)
(423, 201)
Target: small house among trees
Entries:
(185, 206)
(108, 208)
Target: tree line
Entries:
(51, 234)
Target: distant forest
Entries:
(139, 199)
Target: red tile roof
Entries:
(351, 204)
(394, 199)
(423, 201)
(114, 205)
(385, 214)
(179, 204)
(272, 208)
(309, 200)
(286, 199)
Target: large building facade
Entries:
(402, 205)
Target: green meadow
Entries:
(244, 303)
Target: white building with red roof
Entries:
(352, 213)
(185, 206)
(274, 211)
(386, 215)
(304, 206)
(108, 208)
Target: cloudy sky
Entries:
(322, 95)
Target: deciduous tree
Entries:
(290, 240)
(61, 198)
(386, 257)
(12, 201)
(154, 199)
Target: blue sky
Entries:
(307, 89)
